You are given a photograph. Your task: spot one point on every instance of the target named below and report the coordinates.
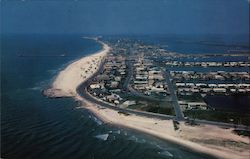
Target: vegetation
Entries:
(215, 115)
(160, 110)
(176, 125)
(242, 132)
(196, 97)
(124, 113)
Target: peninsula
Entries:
(218, 141)
(73, 75)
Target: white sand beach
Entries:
(208, 139)
(77, 72)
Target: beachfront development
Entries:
(125, 79)
(162, 93)
(148, 78)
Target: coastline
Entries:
(66, 82)
(164, 129)
(191, 137)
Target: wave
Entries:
(99, 122)
(133, 138)
(125, 133)
(36, 88)
(39, 86)
(165, 153)
(102, 136)
(117, 132)
(53, 71)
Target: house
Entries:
(113, 97)
(128, 103)
(192, 105)
(197, 105)
(156, 77)
(219, 77)
(118, 78)
(97, 85)
(180, 84)
(114, 84)
(219, 90)
(212, 85)
(157, 90)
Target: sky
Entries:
(125, 16)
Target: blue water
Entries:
(209, 44)
(195, 44)
(215, 59)
(35, 127)
(230, 103)
(210, 69)
(201, 44)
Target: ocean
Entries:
(195, 44)
(35, 127)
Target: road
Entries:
(179, 114)
(82, 91)
(138, 94)
(128, 87)
(129, 74)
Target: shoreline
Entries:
(105, 115)
(77, 72)
(67, 81)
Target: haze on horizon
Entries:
(126, 16)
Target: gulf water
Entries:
(35, 127)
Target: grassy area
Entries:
(227, 117)
(149, 105)
(128, 96)
(195, 97)
(136, 106)
(242, 133)
(229, 144)
(154, 107)
(160, 110)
